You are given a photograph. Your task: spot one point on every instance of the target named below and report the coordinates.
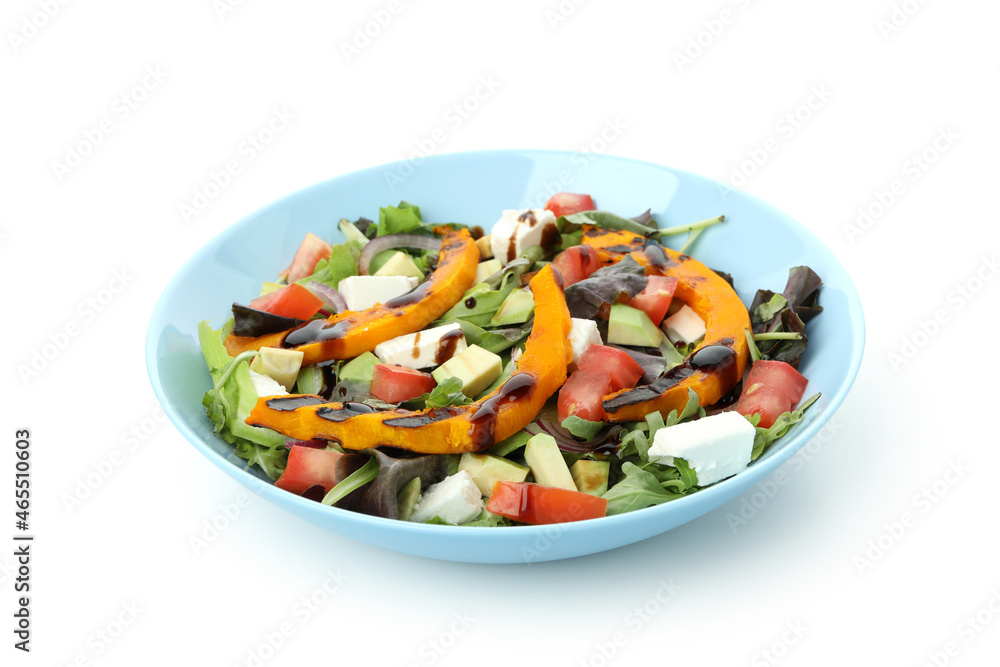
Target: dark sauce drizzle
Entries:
(519, 387)
(316, 331)
(345, 412)
(289, 403)
(447, 345)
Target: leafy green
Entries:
(366, 473)
(686, 473)
(800, 304)
(493, 340)
(381, 497)
(398, 219)
(478, 305)
(638, 440)
(608, 220)
(343, 262)
(230, 401)
(768, 310)
(582, 428)
(766, 436)
(604, 286)
(445, 394)
(638, 488)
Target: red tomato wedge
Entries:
(567, 203)
(308, 467)
(576, 263)
(537, 504)
(582, 396)
(311, 250)
(656, 298)
(621, 369)
(602, 370)
(771, 388)
(290, 301)
(395, 384)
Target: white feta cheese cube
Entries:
(582, 334)
(518, 230)
(363, 292)
(684, 326)
(715, 447)
(265, 385)
(423, 349)
(456, 500)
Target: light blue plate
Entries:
(757, 244)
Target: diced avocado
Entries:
(517, 308)
(352, 233)
(591, 476)
(631, 326)
(267, 288)
(475, 367)
(310, 380)
(279, 364)
(400, 264)
(356, 374)
(485, 249)
(486, 269)
(485, 470)
(547, 463)
(407, 499)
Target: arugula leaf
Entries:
(493, 340)
(609, 220)
(605, 286)
(638, 488)
(766, 436)
(582, 428)
(398, 219)
(446, 394)
(686, 473)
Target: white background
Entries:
(827, 555)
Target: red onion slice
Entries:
(382, 243)
(332, 299)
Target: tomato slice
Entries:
(536, 504)
(656, 298)
(311, 250)
(771, 388)
(308, 466)
(395, 384)
(621, 370)
(583, 394)
(567, 203)
(602, 370)
(290, 301)
(576, 263)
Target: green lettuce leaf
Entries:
(398, 219)
(230, 401)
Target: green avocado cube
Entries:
(631, 326)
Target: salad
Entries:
(568, 365)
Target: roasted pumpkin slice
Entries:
(540, 372)
(348, 334)
(717, 364)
